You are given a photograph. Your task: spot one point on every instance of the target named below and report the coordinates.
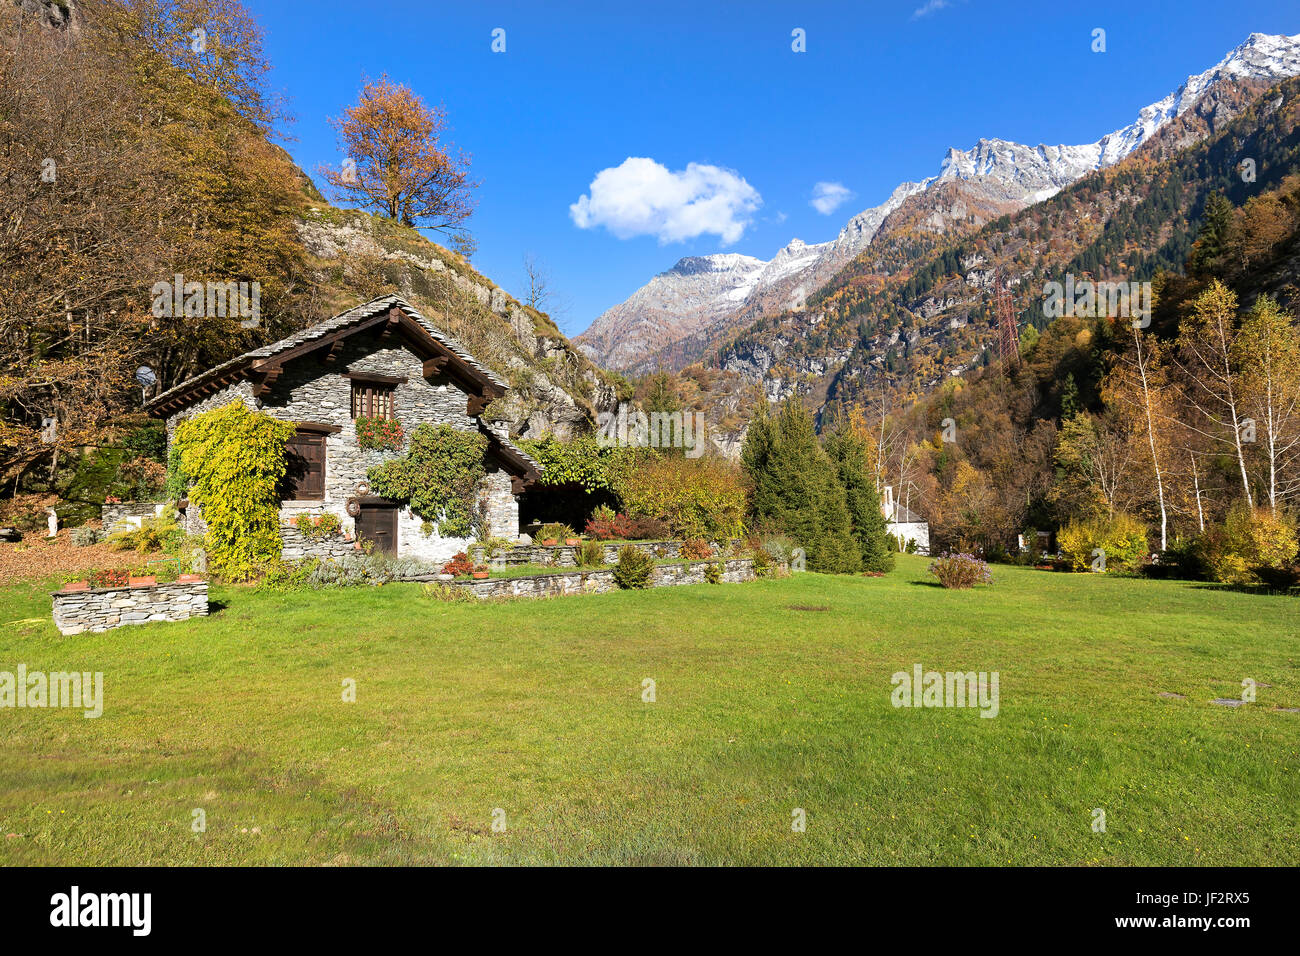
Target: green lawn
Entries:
(771, 696)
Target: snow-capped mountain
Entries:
(695, 293)
(701, 293)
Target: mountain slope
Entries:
(904, 330)
(972, 187)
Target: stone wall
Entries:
(128, 514)
(296, 545)
(566, 556)
(308, 391)
(598, 582)
(102, 609)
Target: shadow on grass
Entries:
(1258, 590)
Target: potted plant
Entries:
(553, 533)
(76, 586)
(480, 572)
(142, 581)
(573, 542)
(460, 565)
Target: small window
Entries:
(373, 400)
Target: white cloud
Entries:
(932, 6)
(827, 197)
(641, 197)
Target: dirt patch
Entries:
(38, 557)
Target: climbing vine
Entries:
(581, 461)
(438, 477)
(234, 460)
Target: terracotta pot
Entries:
(145, 581)
(573, 542)
(549, 543)
(479, 575)
(356, 545)
(189, 579)
(77, 586)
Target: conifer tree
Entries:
(795, 488)
(849, 452)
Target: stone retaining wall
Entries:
(566, 556)
(597, 582)
(101, 609)
(128, 514)
(296, 546)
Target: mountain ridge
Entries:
(674, 323)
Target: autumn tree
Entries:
(397, 163)
(1137, 389)
(1267, 353)
(1205, 343)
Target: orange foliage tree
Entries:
(396, 163)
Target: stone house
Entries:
(382, 359)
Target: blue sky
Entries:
(714, 96)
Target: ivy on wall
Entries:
(234, 460)
(438, 477)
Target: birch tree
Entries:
(1205, 345)
(1267, 354)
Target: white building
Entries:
(900, 520)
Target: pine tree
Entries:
(795, 489)
(849, 452)
(1211, 241)
(1069, 398)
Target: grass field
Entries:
(770, 696)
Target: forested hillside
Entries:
(1171, 426)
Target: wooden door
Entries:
(377, 523)
(305, 467)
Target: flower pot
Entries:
(356, 545)
(189, 579)
(144, 581)
(76, 586)
(549, 543)
(573, 542)
(479, 575)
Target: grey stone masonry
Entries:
(297, 545)
(309, 392)
(102, 609)
(598, 582)
(128, 514)
(566, 556)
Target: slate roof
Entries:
(342, 320)
(904, 515)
